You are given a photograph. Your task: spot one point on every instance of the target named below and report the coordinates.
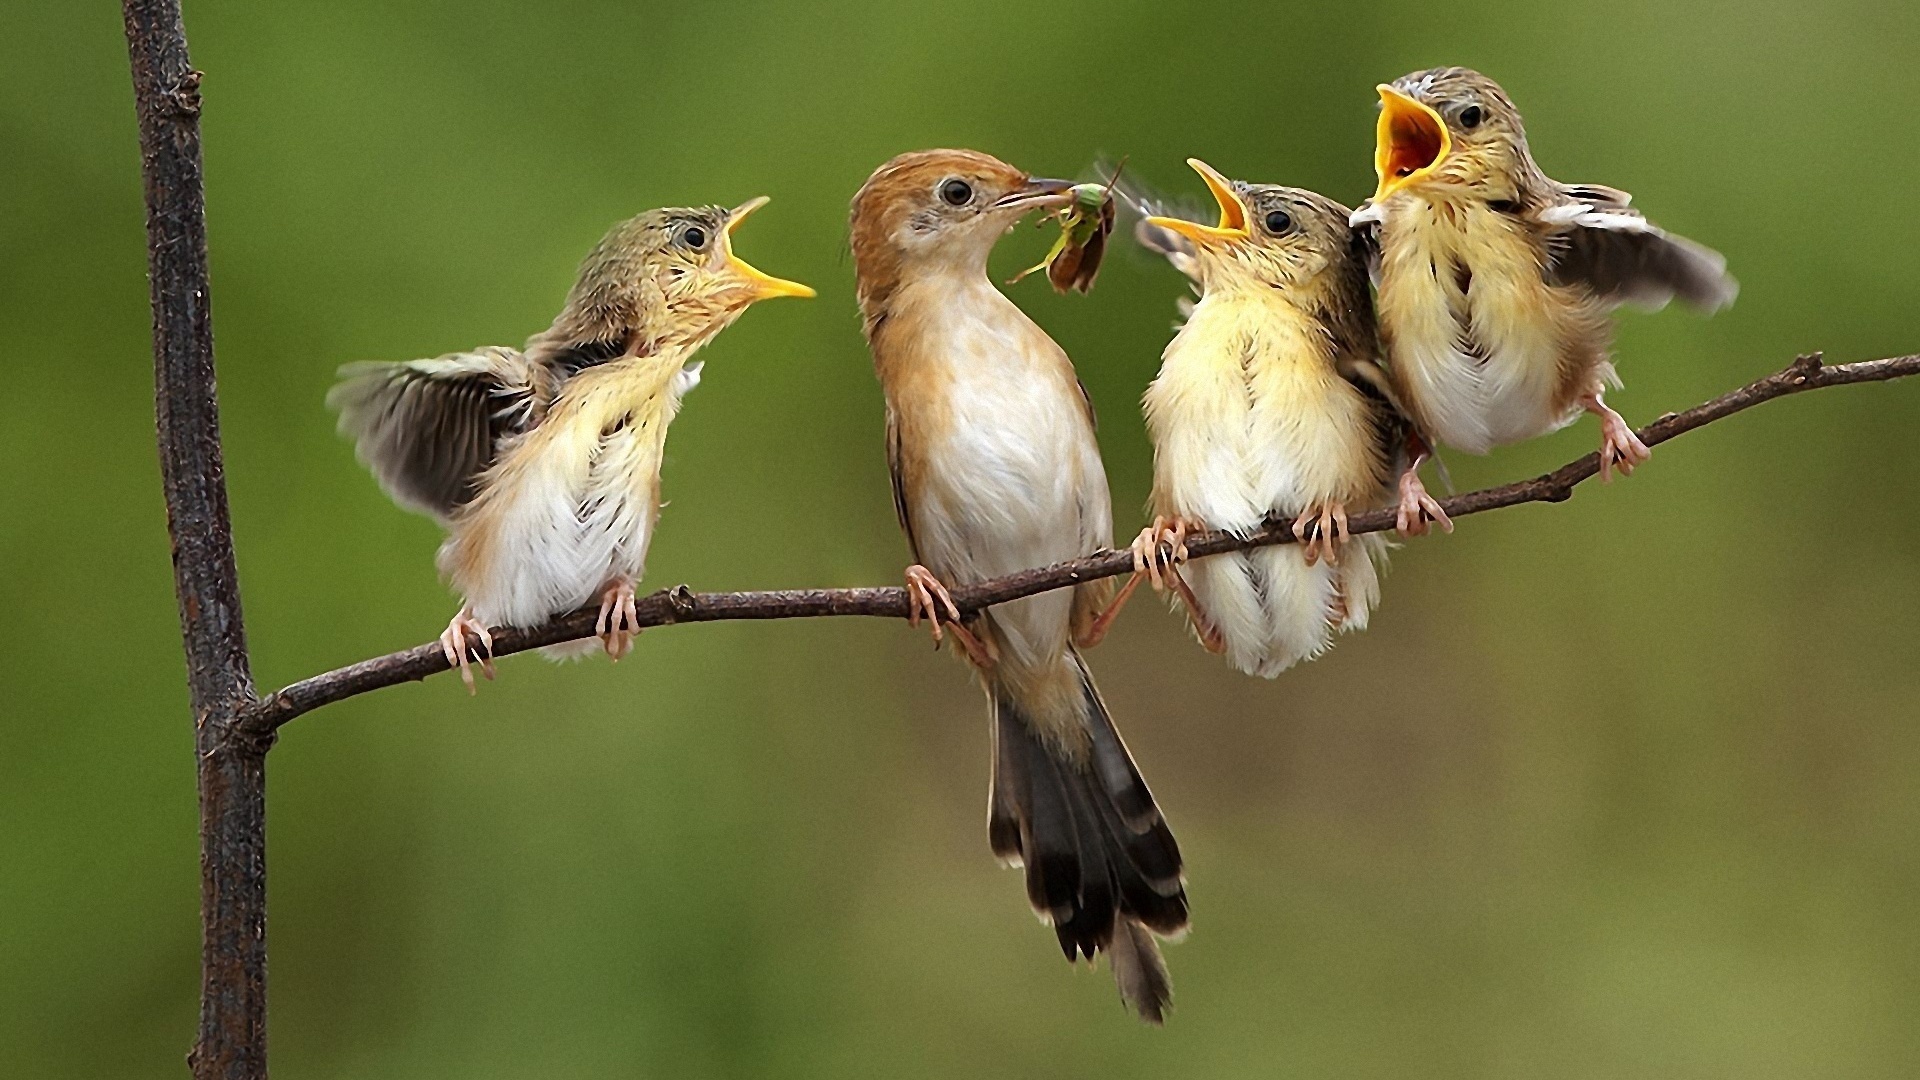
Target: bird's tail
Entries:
(1102, 867)
(1273, 610)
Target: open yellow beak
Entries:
(1233, 212)
(1411, 142)
(764, 285)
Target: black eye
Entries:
(694, 236)
(1279, 221)
(956, 192)
(1470, 117)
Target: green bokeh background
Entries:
(1620, 788)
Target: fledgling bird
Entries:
(995, 469)
(544, 465)
(1271, 403)
(1496, 282)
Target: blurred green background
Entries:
(1620, 788)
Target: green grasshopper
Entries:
(1074, 260)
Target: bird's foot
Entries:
(619, 621)
(453, 642)
(1417, 508)
(1096, 631)
(1159, 549)
(928, 598)
(1620, 447)
(1321, 529)
(1157, 554)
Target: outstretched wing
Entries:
(1595, 239)
(428, 428)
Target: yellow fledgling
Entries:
(1270, 404)
(544, 466)
(1496, 282)
(995, 469)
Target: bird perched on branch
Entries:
(1495, 281)
(995, 469)
(1270, 402)
(544, 465)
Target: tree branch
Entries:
(682, 605)
(232, 1040)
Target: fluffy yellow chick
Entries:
(1270, 404)
(544, 466)
(1496, 282)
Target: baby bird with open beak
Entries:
(544, 465)
(995, 469)
(1270, 403)
(1496, 282)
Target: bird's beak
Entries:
(763, 285)
(1036, 193)
(1233, 212)
(1411, 142)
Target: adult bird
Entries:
(995, 469)
(1271, 403)
(1496, 282)
(544, 465)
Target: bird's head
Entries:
(667, 277)
(1448, 127)
(938, 210)
(1268, 236)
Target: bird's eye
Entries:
(694, 236)
(1470, 117)
(956, 192)
(1279, 221)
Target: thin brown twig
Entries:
(682, 605)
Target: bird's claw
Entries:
(928, 598)
(460, 656)
(1620, 446)
(1321, 529)
(619, 621)
(1160, 549)
(1417, 509)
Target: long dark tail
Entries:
(1102, 866)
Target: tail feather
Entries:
(1102, 867)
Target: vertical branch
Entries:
(232, 1038)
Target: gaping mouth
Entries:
(1411, 142)
(1233, 212)
(1035, 194)
(763, 285)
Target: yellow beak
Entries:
(764, 285)
(1233, 212)
(1411, 142)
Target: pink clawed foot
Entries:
(928, 598)
(453, 641)
(1157, 554)
(1417, 508)
(619, 621)
(1321, 529)
(1620, 447)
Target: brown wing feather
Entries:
(428, 428)
(1623, 258)
(899, 484)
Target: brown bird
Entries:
(1495, 281)
(995, 469)
(1271, 402)
(544, 466)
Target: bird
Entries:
(1271, 403)
(1496, 283)
(990, 444)
(543, 464)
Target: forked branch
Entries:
(680, 604)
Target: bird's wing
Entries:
(1595, 239)
(428, 428)
(899, 485)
